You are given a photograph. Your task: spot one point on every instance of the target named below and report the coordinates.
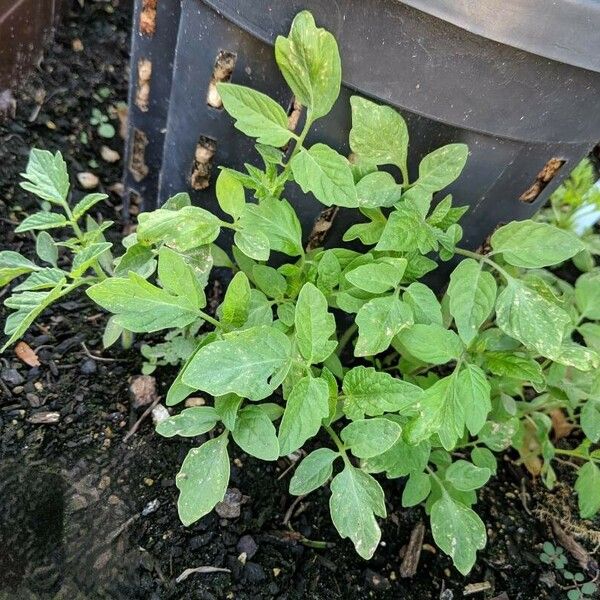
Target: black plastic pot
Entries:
(519, 83)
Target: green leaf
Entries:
(255, 434)
(269, 281)
(251, 363)
(46, 248)
(230, 194)
(587, 294)
(40, 221)
(590, 419)
(46, 176)
(465, 476)
(484, 458)
(367, 233)
(356, 499)
(306, 407)
(590, 333)
(227, 408)
(41, 280)
(28, 306)
(379, 134)
(533, 245)
(276, 221)
(12, 264)
(370, 392)
(140, 306)
(137, 258)
(400, 460)
(178, 201)
(406, 231)
(424, 304)
(515, 365)
(379, 320)
(190, 422)
(524, 314)
(377, 277)
(255, 114)
(314, 325)
(458, 531)
(202, 480)
(329, 271)
(498, 435)
(378, 189)
(448, 405)
(473, 390)
(325, 173)
(236, 305)
(369, 437)
(441, 167)
(182, 230)
(472, 294)
(432, 344)
(86, 203)
(178, 277)
(87, 256)
(313, 471)
(310, 63)
(254, 244)
(587, 487)
(416, 489)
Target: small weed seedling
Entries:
(554, 556)
(101, 122)
(413, 388)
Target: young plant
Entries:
(579, 588)
(411, 387)
(575, 206)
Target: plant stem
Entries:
(346, 337)
(339, 444)
(95, 265)
(484, 259)
(210, 319)
(576, 454)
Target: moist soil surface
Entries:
(88, 509)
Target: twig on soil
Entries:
(410, 562)
(119, 530)
(99, 358)
(290, 510)
(524, 496)
(575, 549)
(201, 570)
(137, 424)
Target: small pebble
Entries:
(195, 401)
(87, 180)
(142, 390)
(11, 376)
(88, 367)
(376, 581)
(109, 155)
(230, 507)
(151, 507)
(44, 418)
(159, 414)
(247, 545)
(34, 400)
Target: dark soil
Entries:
(87, 514)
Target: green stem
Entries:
(484, 259)
(576, 454)
(95, 265)
(210, 319)
(435, 476)
(339, 444)
(346, 337)
(404, 172)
